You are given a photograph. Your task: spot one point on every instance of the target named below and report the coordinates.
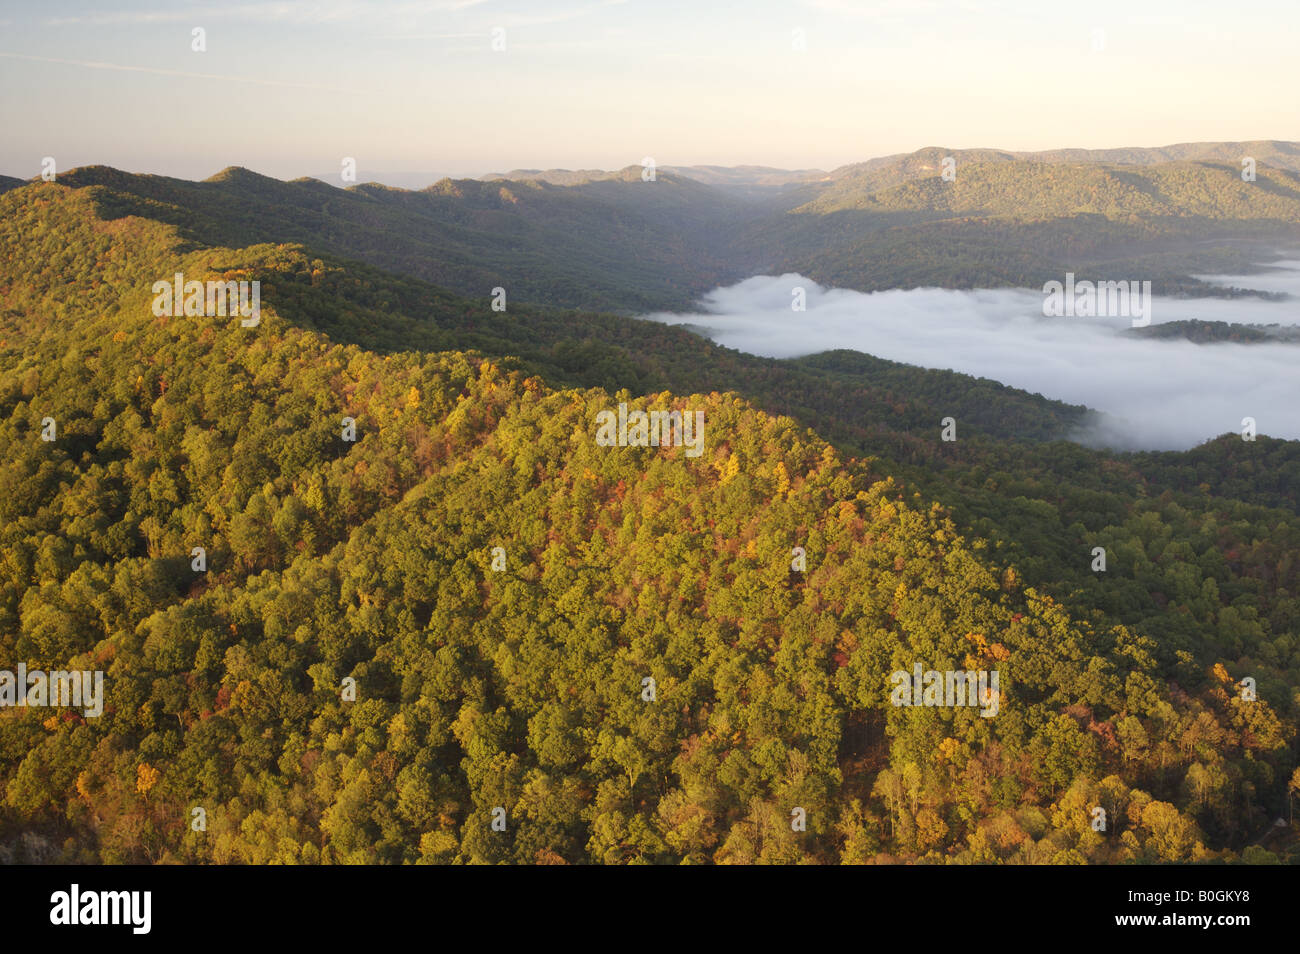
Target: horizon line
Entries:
(1018, 153)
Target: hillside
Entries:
(544, 244)
(1006, 221)
(522, 686)
(610, 241)
(1030, 191)
(1266, 152)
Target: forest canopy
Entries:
(431, 643)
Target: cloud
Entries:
(1162, 394)
(556, 16)
(432, 36)
(329, 11)
(513, 21)
(898, 9)
(93, 65)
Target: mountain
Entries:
(606, 245)
(560, 177)
(743, 180)
(393, 637)
(754, 183)
(886, 171)
(1265, 152)
(1008, 221)
(1032, 191)
(612, 241)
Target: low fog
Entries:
(1159, 395)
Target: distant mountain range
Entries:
(923, 162)
(612, 241)
(751, 181)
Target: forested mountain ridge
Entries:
(356, 304)
(752, 182)
(612, 241)
(887, 171)
(544, 244)
(1004, 221)
(522, 688)
(884, 171)
(1029, 191)
(1277, 153)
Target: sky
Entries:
(291, 88)
(1157, 394)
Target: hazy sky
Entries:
(290, 88)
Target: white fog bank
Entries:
(1164, 394)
